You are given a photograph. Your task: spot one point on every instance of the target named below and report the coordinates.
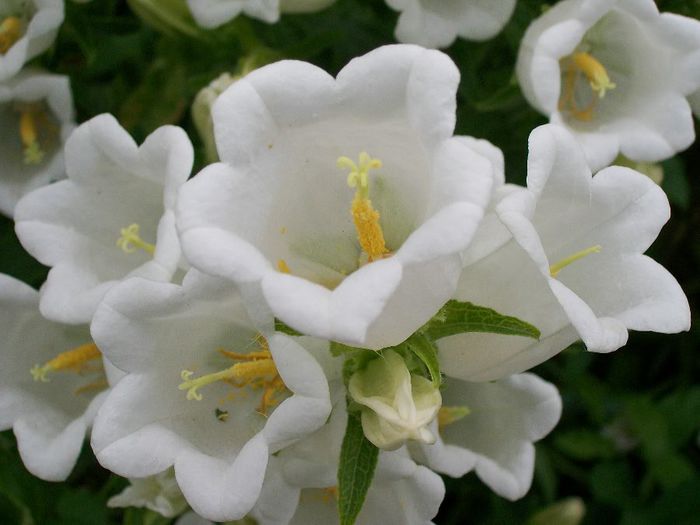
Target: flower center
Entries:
(448, 415)
(365, 217)
(10, 32)
(76, 360)
(255, 369)
(598, 80)
(130, 240)
(559, 266)
(35, 127)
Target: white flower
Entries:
(36, 116)
(113, 217)
(159, 493)
(205, 391)
(490, 428)
(301, 485)
(27, 28)
(574, 266)
(437, 23)
(51, 382)
(396, 405)
(617, 74)
(213, 13)
(279, 212)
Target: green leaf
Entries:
(338, 349)
(675, 183)
(281, 326)
(458, 317)
(358, 459)
(427, 352)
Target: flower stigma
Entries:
(10, 32)
(559, 266)
(448, 415)
(130, 240)
(254, 369)
(598, 80)
(74, 360)
(365, 217)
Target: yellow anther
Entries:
(559, 266)
(130, 240)
(74, 360)
(256, 370)
(282, 266)
(598, 80)
(10, 32)
(329, 494)
(365, 217)
(448, 415)
(33, 154)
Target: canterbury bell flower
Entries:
(52, 381)
(27, 28)
(36, 114)
(437, 23)
(111, 218)
(207, 391)
(573, 267)
(615, 73)
(347, 201)
(213, 13)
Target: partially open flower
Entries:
(27, 28)
(347, 201)
(36, 117)
(213, 13)
(52, 380)
(437, 23)
(396, 405)
(617, 74)
(113, 217)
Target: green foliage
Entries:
(358, 459)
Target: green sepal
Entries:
(358, 460)
(458, 317)
(424, 349)
(281, 326)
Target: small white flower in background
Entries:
(574, 267)
(437, 23)
(490, 428)
(36, 117)
(52, 381)
(347, 201)
(159, 493)
(27, 28)
(213, 13)
(112, 218)
(205, 391)
(617, 74)
(301, 484)
(396, 405)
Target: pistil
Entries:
(559, 266)
(75, 360)
(598, 80)
(130, 240)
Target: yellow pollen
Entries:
(598, 80)
(256, 369)
(33, 154)
(365, 217)
(448, 415)
(282, 266)
(329, 494)
(10, 32)
(130, 240)
(74, 360)
(559, 266)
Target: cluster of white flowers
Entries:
(351, 282)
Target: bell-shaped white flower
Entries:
(159, 493)
(301, 484)
(490, 428)
(51, 382)
(396, 405)
(617, 74)
(213, 13)
(113, 217)
(205, 392)
(574, 267)
(36, 116)
(437, 23)
(27, 28)
(347, 201)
